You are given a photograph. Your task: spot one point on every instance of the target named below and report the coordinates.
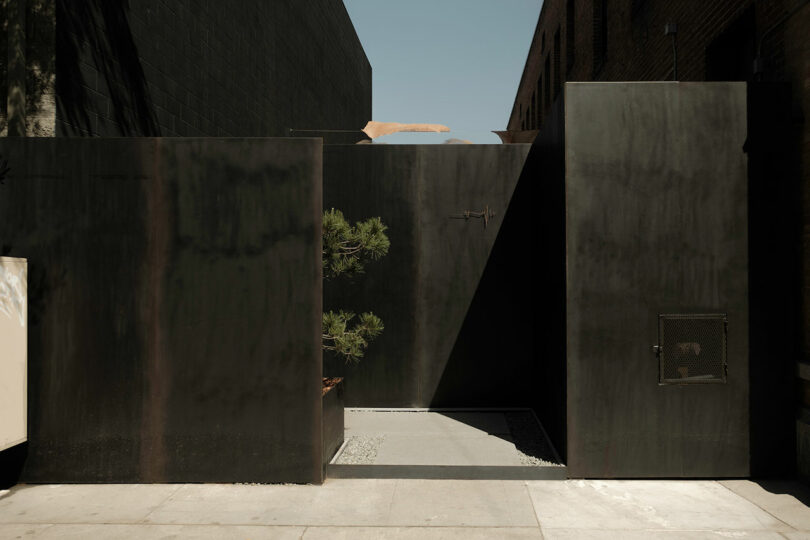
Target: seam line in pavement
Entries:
(758, 506)
(534, 510)
(391, 502)
(164, 501)
(275, 525)
(721, 530)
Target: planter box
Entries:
(332, 419)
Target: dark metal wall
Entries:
(656, 222)
(436, 349)
(175, 301)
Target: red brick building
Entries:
(765, 41)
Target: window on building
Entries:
(529, 117)
(569, 35)
(539, 112)
(542, 43)
(557, 74)
(534, 108)
(547, 85)
(520, 116)
(599, 35)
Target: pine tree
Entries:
(346, 250)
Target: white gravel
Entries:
(360, 450)
(530, 442)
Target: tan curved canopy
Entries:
(378, 129)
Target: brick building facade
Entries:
(606, 40)
(187, 67)
(762, 41)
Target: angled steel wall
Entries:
(445, 343)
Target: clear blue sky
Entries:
(451, 62)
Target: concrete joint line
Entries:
(164, 501)
(758, 506)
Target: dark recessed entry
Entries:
(692, 348)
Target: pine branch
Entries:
(346, 248)
(349, 343)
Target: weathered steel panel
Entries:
(656, 222)
(175, 305)
(439, 345)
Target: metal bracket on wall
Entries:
(486, 215)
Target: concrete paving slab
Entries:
(348, 502)
(422, 533)
(427, 449)
(21, 530)
(408, 509)
(424, 422)
(781, 499)
(85, 503)
(471, 503)
(646, 505)
(162, 532)
(586, 534)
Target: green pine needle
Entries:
(346, 250)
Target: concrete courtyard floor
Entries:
(410, 509)
(458, 444)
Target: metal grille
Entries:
(692, 348)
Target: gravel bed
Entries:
(530, 442)
(360, 450)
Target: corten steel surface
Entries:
(656, 222)
(425, 288)
(13, 351)
(332, 423)
(175, 306)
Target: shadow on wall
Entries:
(101, 27)
(492, 363)
(39, 56)
(511, 349)
(11, 464)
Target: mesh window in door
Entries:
(692, 348)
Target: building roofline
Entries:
(532, 47)
(356, 35)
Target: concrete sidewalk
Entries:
(410, 509)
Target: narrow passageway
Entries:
(463, 444)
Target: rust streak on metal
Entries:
(153, 454)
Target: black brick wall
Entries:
(206, 68)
